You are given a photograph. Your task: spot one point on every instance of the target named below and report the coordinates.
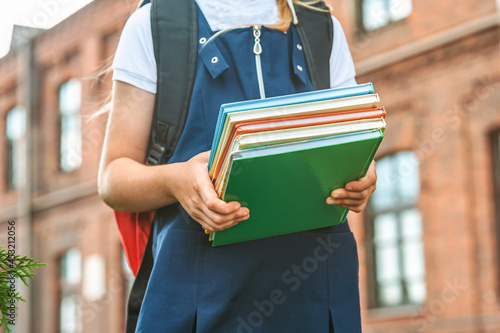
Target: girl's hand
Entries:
(195, 192)
(355, 195)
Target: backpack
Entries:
(181, 16)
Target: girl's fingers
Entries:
(212, 226)
(214, 220)
(219, 207)
(241, 219)
(360, 185)
(356, 205)
(346, 202)
(365, 194)
(218, 211)
(354, 201)
(355, 194)
(211, 200)
(226, 219)
(213, 213)
(235, 222)
(364, 183)
(199, 216)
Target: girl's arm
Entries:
(126, 184)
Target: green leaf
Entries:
(20, 268)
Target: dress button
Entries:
(214, 60)
(299, 47)
(203, 40)
(299, 68)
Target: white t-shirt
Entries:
(134, 61)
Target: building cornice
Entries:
(421, 46)
(53, 199)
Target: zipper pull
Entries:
(257, 48)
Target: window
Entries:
(94, 278)
(70, 276)
(495, 156)
(128, 279)
(15, 129)
(128, 276)
(376, 14)
(398, 266)
(70, 122)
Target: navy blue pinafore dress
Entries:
(303, 282)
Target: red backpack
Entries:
(134, 231)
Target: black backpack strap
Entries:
(175, 80)
(174, 27)
(315, 29)
(140, 284)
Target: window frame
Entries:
(494, 139)
(374, 298)
(359, 5)
(127, 282)
(60, 117)
(9, 161)
(65, 288)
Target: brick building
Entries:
(436, 66)
(429, 243)
(83, 287)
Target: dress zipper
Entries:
(257, 50)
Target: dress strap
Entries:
(203, 26)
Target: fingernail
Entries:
(349, 188)
(336, 195)
(244, 214)
(330, 201)
(237, 207)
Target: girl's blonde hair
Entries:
(286, 15)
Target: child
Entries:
(303, 282)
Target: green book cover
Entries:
(285, 187)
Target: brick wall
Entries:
(427, 18)
(67, 212)
(441, 103)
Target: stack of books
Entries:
(282, 156)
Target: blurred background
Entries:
(429, 242)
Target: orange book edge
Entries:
(238, 130)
